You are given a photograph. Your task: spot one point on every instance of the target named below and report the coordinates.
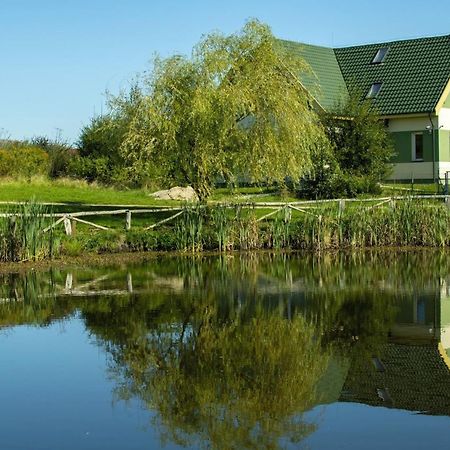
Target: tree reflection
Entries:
(226, 383)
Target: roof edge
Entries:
(393, 42)
(304, 43)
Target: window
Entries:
(374, 90)
(417, 147)
(380, 55)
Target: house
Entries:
(408, 82)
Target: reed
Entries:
(22, 237)
(247, 233)
(223, 227)
(403, 223)
(189, 229)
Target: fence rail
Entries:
(68, 219)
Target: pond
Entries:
(243, 351)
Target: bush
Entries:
(91, 169)
(162, 239)
(358, 158)
(23, 160)
(59, 153)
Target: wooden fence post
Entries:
(69, 281)
(73, 225)
(341, 206)
(68, 226)
(128, 220)
(129, 283)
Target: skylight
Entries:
(380, 56)
(374, 90)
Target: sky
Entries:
(59, 57)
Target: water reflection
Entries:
(230, 352)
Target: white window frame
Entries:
(374, 90)
(378, 59)
(413, 146)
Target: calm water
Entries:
(236, 352)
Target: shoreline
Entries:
(117, 258)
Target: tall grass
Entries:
(22, 237)
(189, 229)
(227, 227)
(403, 223)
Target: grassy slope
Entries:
(71, 192)
(82, 194)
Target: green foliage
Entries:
(102, 138)
(359, 155)
(19, 160)
(143, 241)
(22, 237)
(100, 158)
(59, 154)
(403, 223)
(235, 108)
(91, 169)
(361, 141)
(94, 242)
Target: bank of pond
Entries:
(222, 228)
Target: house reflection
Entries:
(411, 370)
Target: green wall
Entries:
(402, 144)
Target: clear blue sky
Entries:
(57, 57)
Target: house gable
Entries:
(325, 81)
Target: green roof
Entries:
(413, 74)
(326, 83)
(415, 377)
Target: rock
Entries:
(176, 193)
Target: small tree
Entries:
(362, 145)
(236, 108)
(358, 157)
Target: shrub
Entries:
(23, 160)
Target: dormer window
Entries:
(380, 56)
(374, 90)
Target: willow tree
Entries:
(235, 108)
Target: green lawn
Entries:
(418, 189)
(66, 191)
(81, 195)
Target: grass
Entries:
(82, 193)
(22, 237)
(404, 223)
(251, 194)
(246, 235)
(416, 188)
(72, 191)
